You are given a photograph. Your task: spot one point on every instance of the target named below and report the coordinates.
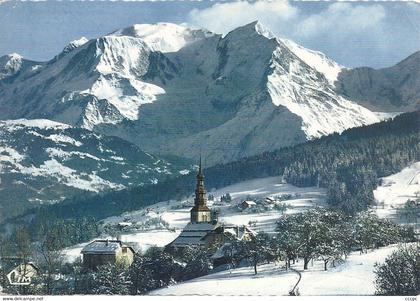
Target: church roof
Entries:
(201, 226)
(193, 233)
(200, 208)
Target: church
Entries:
(204, 229)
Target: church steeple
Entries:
(200, 212)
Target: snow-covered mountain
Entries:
(12, 64)
(43, 161)
(164, 37)
(317, 60)
(175, 90)
(392, 89)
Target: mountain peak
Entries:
(79, 42)
(315, 59)
(255, 27)
(10, 64)
(164, 37)
(263, 30)
(75, 44)
(14, 55)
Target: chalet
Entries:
(226, 249)
(100, 252)
(270, 201)
(204, 228)
(124, 225)
(247, 204)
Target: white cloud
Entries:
(342, 17)
(283, 18)
(345, 31)
(223, 17)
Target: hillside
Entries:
(354, 277)
(44, 162)
(396, 189)
(393, 89)
(146, 225)
(348, 165)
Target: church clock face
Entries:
(204, 216)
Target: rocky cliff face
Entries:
(394, 89)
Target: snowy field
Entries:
(396, 190)
(353, 277)
(175, 214)
(302, 198)
(145, 239)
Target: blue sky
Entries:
(376, 34)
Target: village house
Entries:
(100, 252)
(204, 229)
(124, 225)
(247, 204)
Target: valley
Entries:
(308, 165)
(161, 223)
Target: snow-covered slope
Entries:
(317, 60)
(164, 37)
(42, 161)
(176, 214)
(353, 277)
(75, 44)
(397, 189)
(88, 83)
(304, 93)
(173, 90)
(12, 64)
(143, 239)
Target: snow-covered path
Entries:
(354, 277)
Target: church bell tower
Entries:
(200, 213)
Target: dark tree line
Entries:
(155, 269)
(347, 164)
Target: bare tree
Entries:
(49, 250)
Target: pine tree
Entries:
(111, 280)
(400, 274)
(197, 261)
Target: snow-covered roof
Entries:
(123, 224)
(249, 202)
(201, 226)
(102, 247)
(182, 241)
(237, 231)
(193, 234)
